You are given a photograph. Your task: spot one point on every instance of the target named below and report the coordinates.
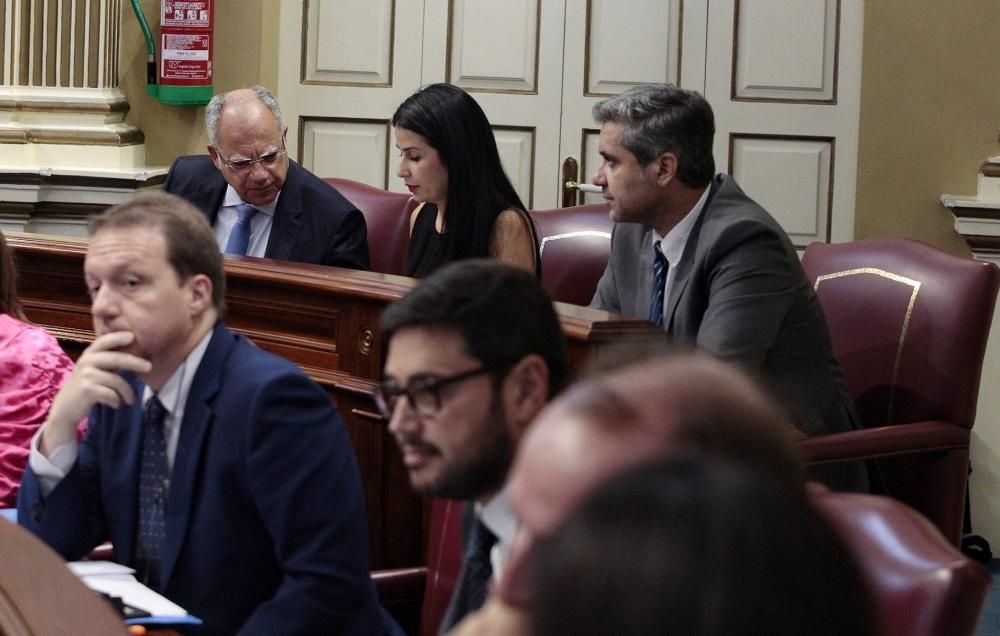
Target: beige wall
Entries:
(243, 56)
(930, 113)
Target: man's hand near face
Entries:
(94, 381)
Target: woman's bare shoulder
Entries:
(513, 240)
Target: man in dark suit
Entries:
(729, 280)
(259, 202)
(473, 354)
(220, 472)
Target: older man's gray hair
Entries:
(213, 112)
(659, 118)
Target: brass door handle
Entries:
(570, 173)
(571, 186)
(589, 188)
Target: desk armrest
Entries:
(400, 584)
(401, 592)
(103, 552)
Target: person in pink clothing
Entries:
(32, 368)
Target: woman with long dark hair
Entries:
(467, 206)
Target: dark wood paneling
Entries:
(325, 320)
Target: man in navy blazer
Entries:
(256, 521)
(297, 216)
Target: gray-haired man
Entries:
(259, 202)
(700, 259)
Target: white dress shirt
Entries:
(672, 245)
(499, 518)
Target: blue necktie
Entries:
(239, 238)
(153, 485)
(660, 267)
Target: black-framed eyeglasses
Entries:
(424, 394)
(266, 160)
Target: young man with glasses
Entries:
(473, 354)
(259, 202)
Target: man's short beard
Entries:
(482, 471)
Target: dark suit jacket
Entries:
(739, 293)
(468, 595)
(265, 525)
(313, 222)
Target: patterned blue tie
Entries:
(153, 485)
(660, 267)
(239, 238)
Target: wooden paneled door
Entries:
(783, 77)
(786, 90)
(345, 66)
(535, 66)
(611, 46)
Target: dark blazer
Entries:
(313, 222)
(739, 293)
(265, 525)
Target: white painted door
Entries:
(782, 75)
(535, 66)
(508, 55)
(345, 65)
(613, 45)
(784, 79)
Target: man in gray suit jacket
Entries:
(730, 280)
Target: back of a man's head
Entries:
(191, 245)
(692, 544)
(697, 403)
(502, 314)
(679, 402)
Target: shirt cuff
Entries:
(51, 470)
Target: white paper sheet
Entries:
(117, 580)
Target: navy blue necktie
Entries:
(660, 267)
(153, 485)
(470, 590)
(239, 238)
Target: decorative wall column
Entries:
(65, 149)
(977, 219)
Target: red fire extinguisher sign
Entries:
(186, 14)
(186, 51)
(186, 59)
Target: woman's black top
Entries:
(426, 244)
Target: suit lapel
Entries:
(682, 272)
(287, 216)
(198, 418)
(129, 427)
(213, 191)
(644, 282)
